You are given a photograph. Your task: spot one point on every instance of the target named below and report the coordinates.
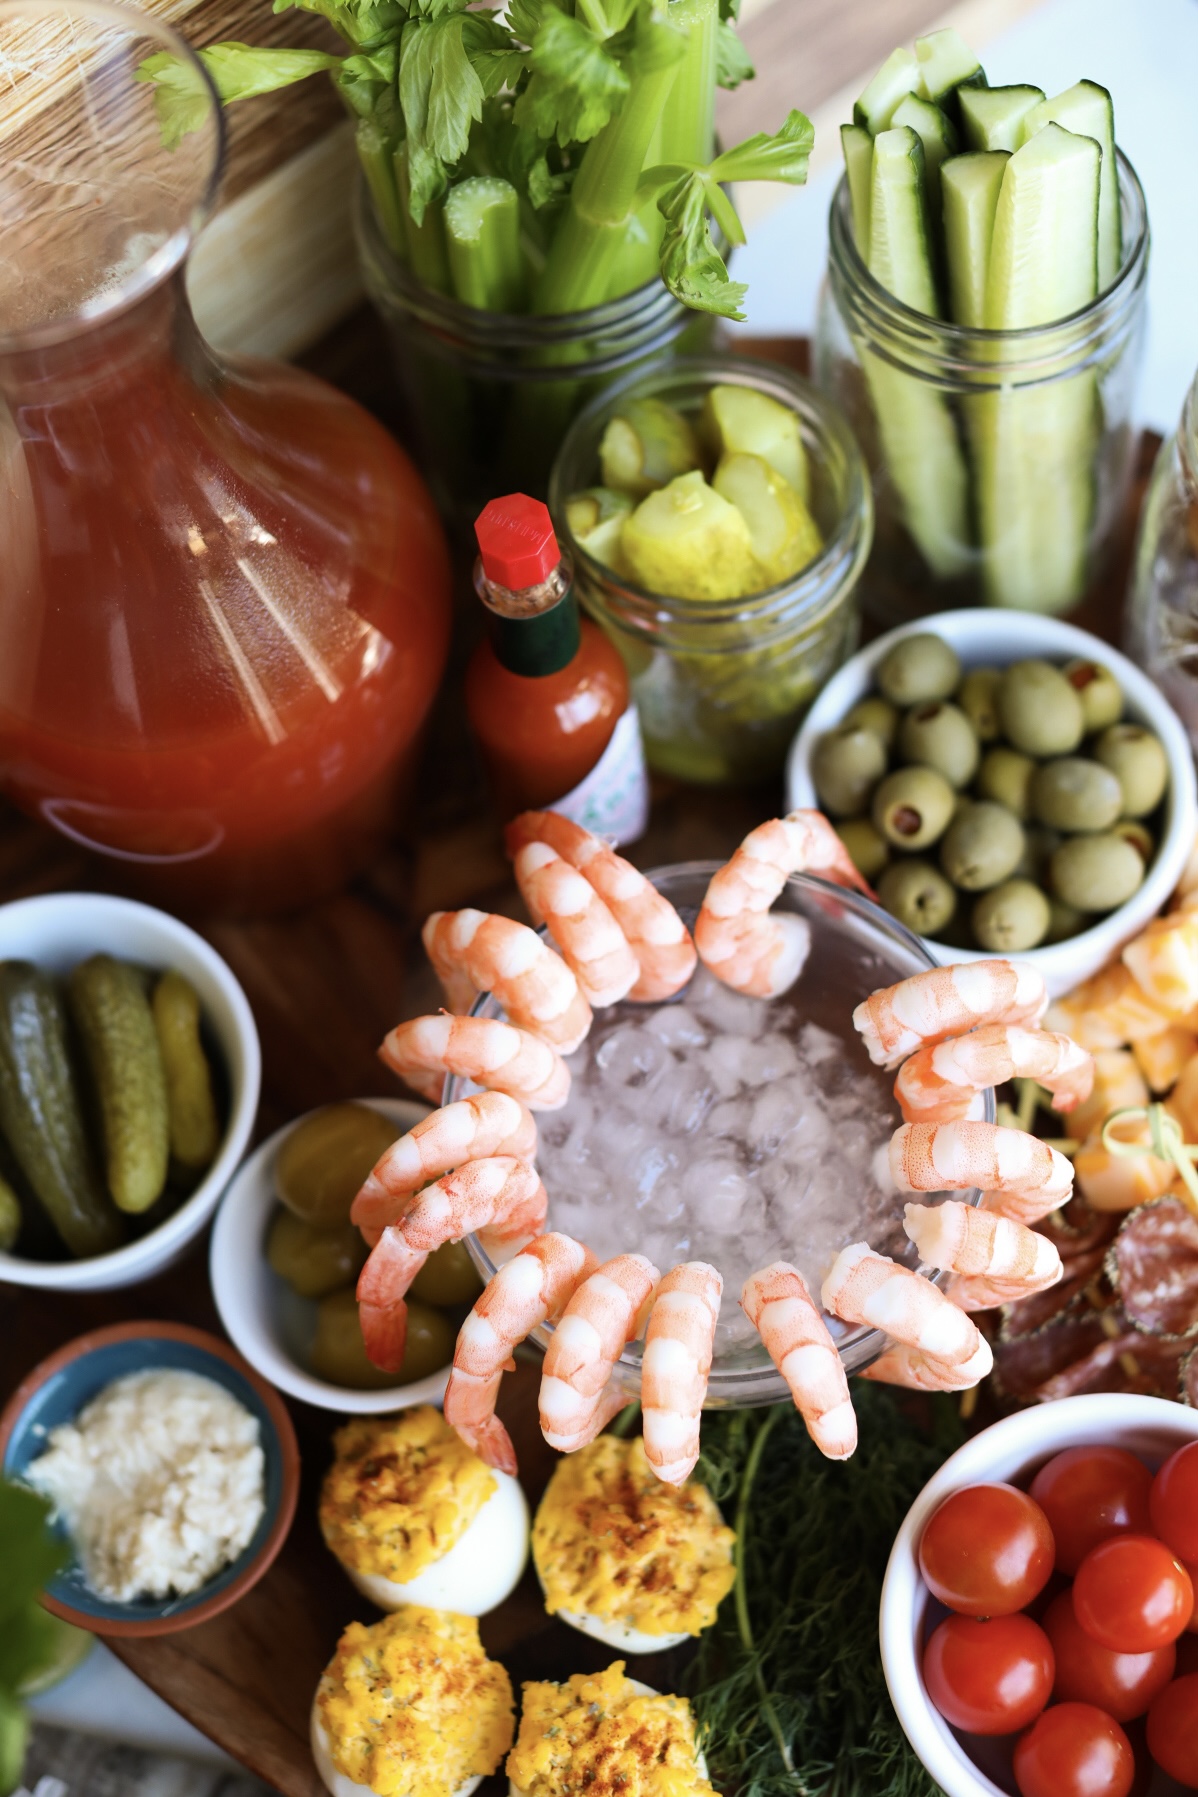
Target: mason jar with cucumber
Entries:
(718, 513)
(981, 322)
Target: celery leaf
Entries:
(367, 82)
(732, 65)
(780, 157)
(29, 1554)
(238, 72)
(691, 266)
(360, 22)
(576, 83)
(441, 96)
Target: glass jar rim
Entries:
(760, 1383)
(121, 295)
(966, 349)
(632, 315)
(841, 556)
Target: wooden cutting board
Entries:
(325, 985)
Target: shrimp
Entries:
(578, 1394)
(907, 1366)
(997, 1260)
(501, 1199)
(942, 1080)
(652, 928)
(679, 1341)
(425, 1050)
(1027, 1177)
(507, 959)
(471, 1129)
(592, 943)
(866, 1288)
(946, 1001)
(780, 1307)
(528, 1290)
(735, 934)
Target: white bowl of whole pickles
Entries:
(1073, 805)
(129, 1079)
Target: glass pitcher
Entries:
(1162, 611)
(224, 590)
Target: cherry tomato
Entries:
(989, 1678)
(1075, 1750)
(987, 1551)
(1122, 1684)
(1132, 1595)
(1173, 1730)
(1192, 1625)
(1173, 1502)
(1090, 1494)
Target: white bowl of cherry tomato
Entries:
(1039, 1619)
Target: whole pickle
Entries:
(191, 1107)
(116, 1026)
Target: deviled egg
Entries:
(638, 1564)
(415, 1517)
(607, 1735)
(411, 1707)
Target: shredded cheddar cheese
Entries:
(401, 1492)
(412, 1706)
(611, 1540)
(597, 1735)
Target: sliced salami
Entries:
(1022, 1366)
(1188, 1382)
(1153, 1264)
(1075, 1354)
(1076, 1229)
(1027, 1315)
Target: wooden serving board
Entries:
(325, 985)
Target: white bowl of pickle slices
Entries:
(991, 639)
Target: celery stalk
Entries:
(482, 238)
(377, 156)
(427, 255)
(688, 116)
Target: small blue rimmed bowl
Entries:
(57, 1390)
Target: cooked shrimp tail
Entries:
(653, 930)
(996, 1260)
(921, 1372)
(471, 1129)
(866, 1288)
(591, 942)
(947, 1001)
(530, 1289)
(942, 1080)
(679, 1340)
(737, 936)
(507, 959)
(780, 1307)
(604, 1315)
(425, 1050)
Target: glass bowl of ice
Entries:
(737, 1130)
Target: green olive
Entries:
(10, 1215)
(1039, 846)
(1096, 873)
(977, 696)
(939, 735)
(1063, 920)
(1074, 794)
(1140, 838)
(1098, 690)
(1137, 760)
(1005, 776)
(912, 807)
(314, 1261)
(339, 1354)
(448, 1276)
(1011, 918)
(323, 1163)
(918, 895)
(846, 765)
(877, 714)
(1039, 711)
(918, 668)
(868, 849)
(982, 846)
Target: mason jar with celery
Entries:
(981, 322)
(543, 184)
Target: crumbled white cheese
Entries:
(159, 1481)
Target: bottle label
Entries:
(613, 800)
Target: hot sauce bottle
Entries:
(547, 694)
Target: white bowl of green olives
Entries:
(1008, 783)
(284, 1261)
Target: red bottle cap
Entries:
(516, 541)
